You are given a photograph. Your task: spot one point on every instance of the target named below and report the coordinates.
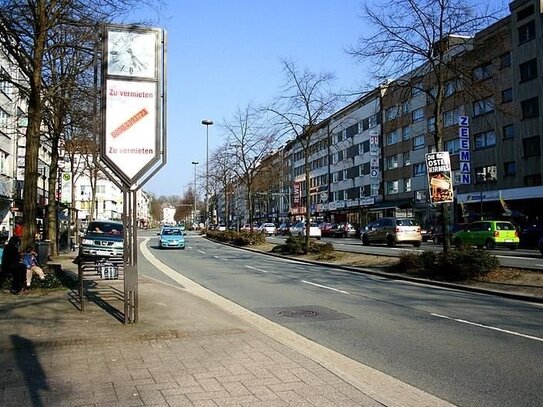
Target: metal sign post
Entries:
(133, 134)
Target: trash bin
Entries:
(42, 248)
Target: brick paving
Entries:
(185, 351)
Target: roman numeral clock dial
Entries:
(131, 53)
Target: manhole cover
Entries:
(297, 313)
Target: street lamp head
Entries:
(207, 122)
(195, 163)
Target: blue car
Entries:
(171, 237)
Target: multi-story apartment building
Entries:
(495, 91)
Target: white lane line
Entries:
(254, 268)
(493, 328)
(325, 286)
(201, 251)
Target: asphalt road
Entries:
(467, 348)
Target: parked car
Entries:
(171, 237)
(268, 228)
(437, 233)
(540, 246)
(283, 229)
(392, 231)
(326, 229)
(343, 230)
(221, 227)
(299, 230)
(530, 236)
(489, 234)
(102, 239)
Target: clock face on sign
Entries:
(131, 53)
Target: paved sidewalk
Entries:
(185, 351)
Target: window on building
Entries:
(365, 168)
(391, 113)
(505, 60)
(532, 180)
(452, 146)
(406, 158)
(406, 132)
(365, 124)
(451, 87)
(365, 146)
(531, 146)
(419, 169)
(4, 116)
(528, 70)
(418, 142)
(5, 86)
(339, 136)
(485, 174)
(374, 120)
(483, 72)
(351, 131)
(3, 162)
(431, 124)
(485, 139)
(526, 32)
(525, 12)
(416, 89)
(483, 106)
(509, 168)
(417, 115)
(450, 118)
(507, 95)
(530, 108)
(392, 137)
(405, 107)
(407, 184)
(508, 131)
(392, 187)
(392, 162)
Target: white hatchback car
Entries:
(299, 230)
(268, 228)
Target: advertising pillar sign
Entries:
(439, 177)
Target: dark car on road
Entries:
(530, 235)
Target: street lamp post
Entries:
(207, 123)
(195, 163)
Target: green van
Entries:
(489, 234)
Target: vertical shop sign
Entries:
(465, 152)
(439, 177)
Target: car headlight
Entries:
(118, 244)
(87, 241)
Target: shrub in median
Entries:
(455, 265)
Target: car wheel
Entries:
(365, 240)
(490, 244)
(390, 241)
(416, 244)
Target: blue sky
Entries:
(222, 55)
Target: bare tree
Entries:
(249, 140)
(221, 175)
(420, 44)
(304, 103)
(27, 35)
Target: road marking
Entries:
(325, 286)
(493, 328)
(201, 251)
(254, 268)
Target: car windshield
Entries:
(405, 222)
(106, 228)
(172, 232)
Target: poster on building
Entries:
(439, 177)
